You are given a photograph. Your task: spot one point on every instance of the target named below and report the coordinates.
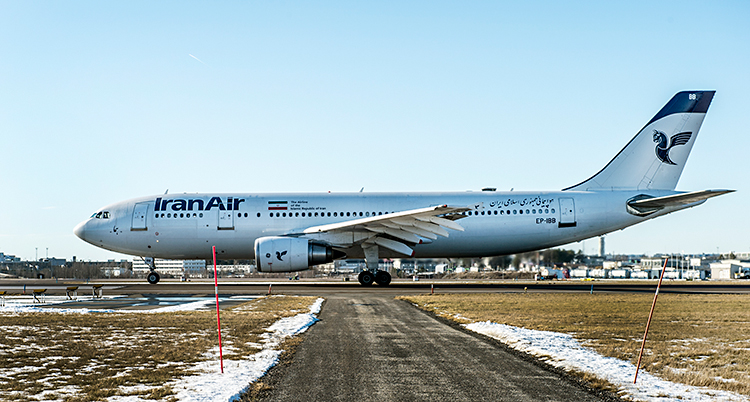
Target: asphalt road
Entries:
(375, 348)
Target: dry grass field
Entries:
(91, 357)
(701, 340)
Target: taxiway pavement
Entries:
(376, 348)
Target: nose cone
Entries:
(80, 230)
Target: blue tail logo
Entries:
(662, 148)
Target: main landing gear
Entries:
(373, 274)
(382, 278)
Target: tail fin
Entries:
(655, 157)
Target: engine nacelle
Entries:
(288, 254)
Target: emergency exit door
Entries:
(567, 213)
(226, 220)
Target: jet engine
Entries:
(288, 254)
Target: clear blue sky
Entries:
(102, 101)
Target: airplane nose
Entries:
(80, 231)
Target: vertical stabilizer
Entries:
(655, 157)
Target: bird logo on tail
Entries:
(662, 147)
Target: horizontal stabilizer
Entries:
(646, 205)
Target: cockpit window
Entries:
(101, 215)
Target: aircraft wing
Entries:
(677, 199)
(396, 231)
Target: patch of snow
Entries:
(562, 350)
(193, 306)
(212, 385)
(722, 379)
(32, 309)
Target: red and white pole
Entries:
(648, 324)
(218, 317)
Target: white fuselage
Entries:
(186, 226)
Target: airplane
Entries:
(287, 232)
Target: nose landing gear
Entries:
(153, 276)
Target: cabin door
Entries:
(139, 216)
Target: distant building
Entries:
(9, 258)
(188, 268)
(730, 269)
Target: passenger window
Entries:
(552, 210)
(200, 215)
(334, 214)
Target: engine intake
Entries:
(289, 254)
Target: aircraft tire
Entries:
(366, 278)
(153, 278)
(383, 278)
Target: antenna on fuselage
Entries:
(166, 191)
(361, 189)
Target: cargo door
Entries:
(226, 220)
(139, 216)
(567, 213)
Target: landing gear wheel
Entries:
(153, 278)
(366, 278)
(382, 278)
